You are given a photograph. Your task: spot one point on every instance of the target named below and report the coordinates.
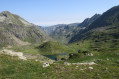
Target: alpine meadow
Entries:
(59, 39)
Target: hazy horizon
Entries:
(52, 12)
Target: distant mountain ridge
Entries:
(64, 32)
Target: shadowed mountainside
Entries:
(108, 21)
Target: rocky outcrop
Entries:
(12, 53)
(14, 30)
(86, 63)
(20, 55)
(46, 64)
(39, 57)
(62, 57)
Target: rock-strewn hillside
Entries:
(14, 30)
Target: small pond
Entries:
(53, 57)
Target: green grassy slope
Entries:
(54, 48)
(13, 68)
(102, 44)
(46, 48)
(101, 38)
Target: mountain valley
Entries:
(87, 50)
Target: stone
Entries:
(46, 64)
(90, 68)
(12, 53)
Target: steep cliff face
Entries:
(89, 21)
(14, 30)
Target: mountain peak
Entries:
(5, 12)
(7, 17)
(89, 21)
(96, 15)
